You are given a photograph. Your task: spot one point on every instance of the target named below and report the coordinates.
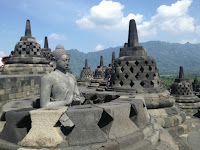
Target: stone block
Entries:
(120, 123)
(43, 133)
(128, 142)
(110, 145)
(86, 131)
(17, 125)
(138, 113)
(17, 105)
(2, 92)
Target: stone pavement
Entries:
(193, 137)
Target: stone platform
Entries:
(123, 123)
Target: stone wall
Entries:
(18, 86)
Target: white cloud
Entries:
(174, 18)
(99, 47)
(40, 42)
(198, 30)
(192, 41)
(55, 36)
(2, 53)
(109, 15)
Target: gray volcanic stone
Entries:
(120, 124)
(43, 132)
(17, 105)
(100, 70)
(109, 69)
(46, 51)
(184, 95)
(86, 73)
(18, 123)
(134, 70)
(110, 145)
(26, 57)
(86, 131)
(27, 48)
(138, 112)
(196, 85)
(59, 88)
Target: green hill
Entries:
(169, 57)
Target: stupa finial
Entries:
(86, 63)
(28, 28)
(132, 34)
(181, 73)
(101, 61)
(46, 45)
(113, 57)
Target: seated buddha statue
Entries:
(59, 88)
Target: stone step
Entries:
(183, 128)
(172, 121)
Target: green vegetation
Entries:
(169, 79)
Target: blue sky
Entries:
(92, 25)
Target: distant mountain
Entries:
(169, 57)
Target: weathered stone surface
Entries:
(2, 123)
(167, 140)
(46, 51)
(184, 95)
(17, 125)
(86, 131)
(109, 145)
(26, 56)
(43, 133)
(138, 113)
(100, 70)
(19, 86)
(134, 70)
(86, 73)
(59, 88)
(120, 123)
(16, 105)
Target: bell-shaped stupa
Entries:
(182, 90)
(27, 57)
(134, 70)
(86, 74)
(46, 51)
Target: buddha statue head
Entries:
(62, 58)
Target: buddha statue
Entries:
(59, 88)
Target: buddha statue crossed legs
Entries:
(59, 88)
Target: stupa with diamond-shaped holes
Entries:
(182, 90)
(134, 70)
(27, 57)
(46, 51)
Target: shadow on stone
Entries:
(65, 130)
(105, 120)
(197, 114)
(36, 104)
(25, 123)
(133, 114)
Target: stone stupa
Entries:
(100, 70)
(108, 71)
(196, 86)
(27, 58)
(46, 51)
(99, 76)
(182, 90)
(135, 72)
(86, 75)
